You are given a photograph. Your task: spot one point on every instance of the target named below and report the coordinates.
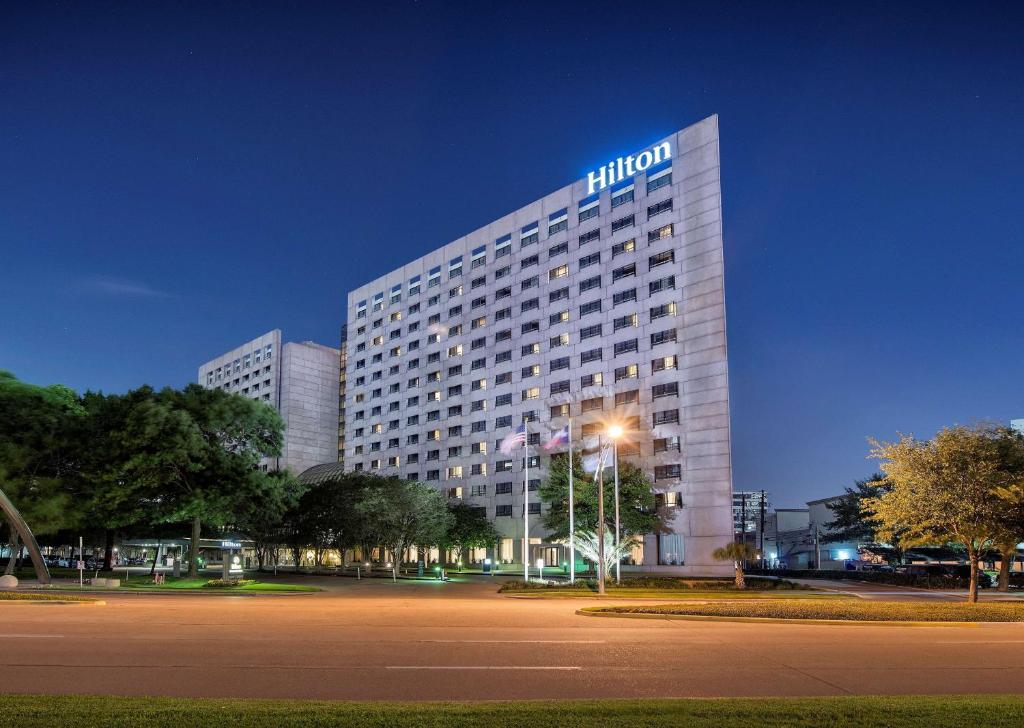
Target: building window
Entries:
(588, 260)
(588, 332)
(531, 393)
(594, 404)
(670, 549)
(559, 363)
(560, 272)
(592, 380)
(665, 417)
(624, 297)
(671, 389)
(590, 283)
(622, 223)
(529, 283)
(528, 261)
(664, 363)
(624, 322)
(663, 337)
(503, 400)
(559, 410)
(666, 444)
(556, 341)
(627, 372)
(659, 207)
(665, 309)
(560, 387)
(558, 318)
(665, 231)
(501, 511)
(529, 305)
(531, 371)
(624, 272)
(622, 196)
(624, 347)
(668, 256)
(667, 472)
(625, 247)
(558, 295)
(592, 355)
(592, 307)
(663, 284)
(502, 357)
(530, 327)
(558, 221)
(660, 179)
(590, 237)
(623, 398)
(559, 249)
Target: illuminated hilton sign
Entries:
(624, 167)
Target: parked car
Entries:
(963, 571)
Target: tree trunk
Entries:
(972, 593)
(740, 583)
(1007, 552)
(156, 556)
(193, 554)
(15, 549)
(108, 550)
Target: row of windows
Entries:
(533, 282)
(241, 364)
(597, 305)
(672, 471)
(626, 372)
(558, 221)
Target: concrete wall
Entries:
(309, 405)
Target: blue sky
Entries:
(177, 178)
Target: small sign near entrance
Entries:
(81, 565)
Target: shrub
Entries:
(920, 581)
(228, 583)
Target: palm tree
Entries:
(587, 544)
(737, 553)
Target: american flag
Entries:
(514, 440)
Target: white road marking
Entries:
(28, 636)
(980, 642)
(482, 667)
(515, 642)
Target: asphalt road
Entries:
(414, 641)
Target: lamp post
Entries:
(615, 432)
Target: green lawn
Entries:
(848, 712)
(670, 594)
(199, 584)
(9, 596)
(857, 610)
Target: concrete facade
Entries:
(299, 380)
(599, 307)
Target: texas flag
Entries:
(559, 438)
(513, 440)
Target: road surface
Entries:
(461, 641)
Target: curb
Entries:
(778, 620)
(56, 602)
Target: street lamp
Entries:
(615, 432)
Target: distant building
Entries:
(299, 380)
(746, 510)
(787, 539)
(831, 554)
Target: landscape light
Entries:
(615, 432)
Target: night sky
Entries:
(178, 178)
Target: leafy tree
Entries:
(943, 490)
(263, 518)
(737, 553)
(854, 522)
(35, 460)
(1010, 525)
(638, 513)
(399, 514)
(469, 528)
(200, 447)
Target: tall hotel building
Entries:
(603, 301)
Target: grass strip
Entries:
(670, 594)
(992, 711)
(11, 596)
(856, 610)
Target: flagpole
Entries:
(618, 556)
(572, 524)
(526, 505)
